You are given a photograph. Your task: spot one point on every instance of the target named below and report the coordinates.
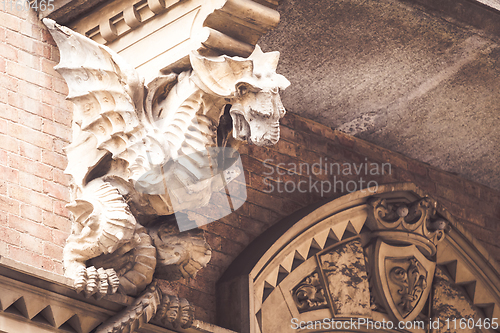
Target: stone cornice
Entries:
(158, 35)
(481, 14)
(69, 10)
(48, 303)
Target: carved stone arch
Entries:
(342, 260)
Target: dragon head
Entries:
(251, 85)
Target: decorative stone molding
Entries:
(33, 300)
(400, 221)
(158, 35)
(224, 19)
(49, 310)
(142, 153)
(397, 248)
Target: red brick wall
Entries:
(35, 122)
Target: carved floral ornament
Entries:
(140, 154)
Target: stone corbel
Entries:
(158, 35)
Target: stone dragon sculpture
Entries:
(127, 140)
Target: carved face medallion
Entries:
(403, 277)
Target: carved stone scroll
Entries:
(414, 223)
(402, 262)
(309, 294)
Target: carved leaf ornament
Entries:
(310, 294)
(411, 283)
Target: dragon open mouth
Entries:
(241, 128)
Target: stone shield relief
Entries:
(403, 279)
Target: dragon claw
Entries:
(81, 279)
(96, 281)
(114, 281)
(92, 281)
(103, 282)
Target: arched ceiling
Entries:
(412, 79)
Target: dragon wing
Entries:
(108, 95)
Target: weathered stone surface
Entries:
(345, 270)
(397, 75)
(451, 302)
